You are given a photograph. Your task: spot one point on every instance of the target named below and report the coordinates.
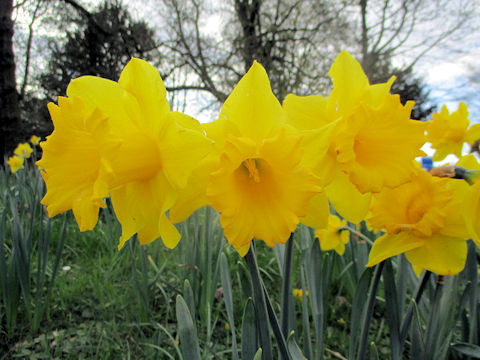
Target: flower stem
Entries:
(259, 304)
(408, 316)
(369, 312)
(286, 286)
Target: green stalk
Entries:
(282, 344)
(369, 313)
(260, 304)
(409, 315)
(432, 332)
(286, 286)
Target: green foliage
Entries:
(71, 295)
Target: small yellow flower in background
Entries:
(35, 140)
(359, 139)
(15, 163)
(260, 188)
(23, 150)
(227, 326)
(423, 219)
(298, 293)
(335, 236)
(447, 132)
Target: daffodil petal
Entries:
(387, 246)
(346, 199)
(440, 254)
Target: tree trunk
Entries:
(9, 110)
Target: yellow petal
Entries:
(140, 204)
(307, 112)
(440, 254)
(181, 151)
(387, 246)
(349, 82)
(119, 106)
(318, 212)
(143, 81)
(192, 196)
(71, 162)
(252, 107)
(471, 211)
(346, 199)
(168, 232)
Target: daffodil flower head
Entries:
(15, 162)
(335, 236)
(366, 139)
(23, 150)
(422, 218)
(129, 145)
(259, 188)
(447, 132)
(35, 140)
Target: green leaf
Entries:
(188, 332)
(392, 308)
(466, 349)
(249, 343)
(227, 296)
(295, 352)
(189, 298)
(358, 309)
(258, 355)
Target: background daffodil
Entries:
(15, 162)
(335, 236)
(259, 187)
(448, 132)
(23, 150)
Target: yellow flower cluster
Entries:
(263, 165)
(22, 151)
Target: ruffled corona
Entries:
(71, 163)
(422, 219)
(261, 191)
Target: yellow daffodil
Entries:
(23, 150)
(141, 151)
(15, 163)
(298, 293)
(369, 140)
(335, 236)
(71, 162)
(471, 205)
(422, 218)
(448, 132)
(259, 186)
(35, 140)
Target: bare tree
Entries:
(294, 40)
(408, 29)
